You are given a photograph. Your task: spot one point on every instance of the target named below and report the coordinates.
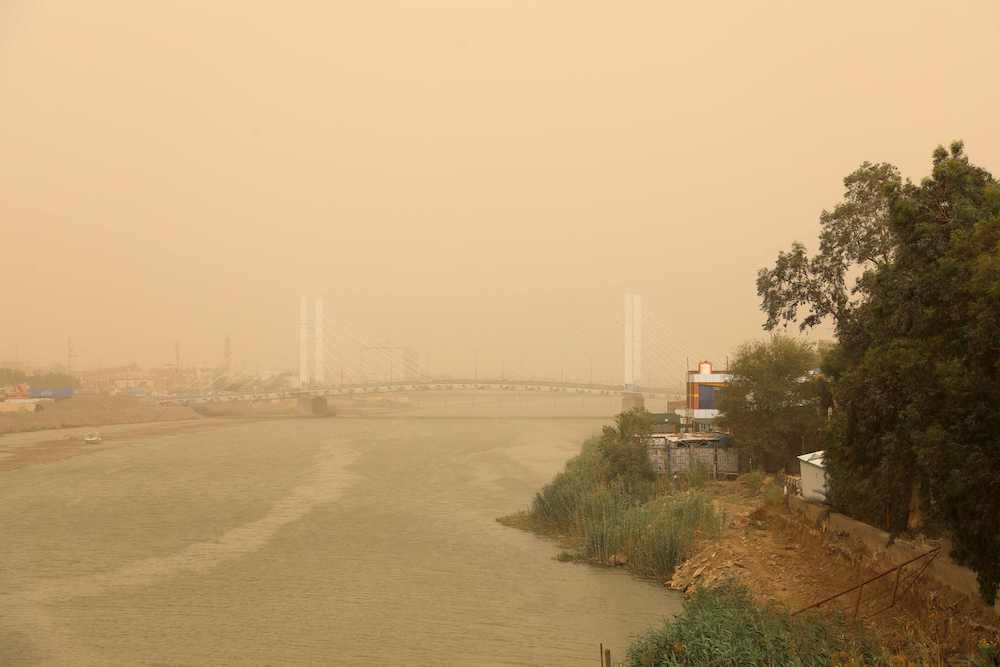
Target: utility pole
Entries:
(177, 356)
(69, 356)
(475, 366)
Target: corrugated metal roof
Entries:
(815, 458)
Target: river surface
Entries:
(354, 541)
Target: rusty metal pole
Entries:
(895, 588)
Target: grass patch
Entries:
(723, 626)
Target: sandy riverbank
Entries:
(46, 446)
(93, 410)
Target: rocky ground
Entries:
(784, 562)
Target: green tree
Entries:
(623, 447)
(854, 237)
(773, 404)
(916, 375)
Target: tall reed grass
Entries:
(652, 532)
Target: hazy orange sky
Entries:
(469, 178)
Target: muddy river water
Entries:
(354, 541)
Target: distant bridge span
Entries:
(456, 384)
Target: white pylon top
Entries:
(633, 341)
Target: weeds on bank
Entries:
(723, 626)
(643, 524)
(753, 481)
(774, 495)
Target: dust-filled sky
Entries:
(475, 178)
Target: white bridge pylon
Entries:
(633, 342)
(312, 345)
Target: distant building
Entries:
(15, 391)
(813, 484)
(704, 387)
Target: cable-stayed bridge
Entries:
(333, 362)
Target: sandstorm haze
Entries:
(472, 179)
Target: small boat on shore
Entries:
(92, 438)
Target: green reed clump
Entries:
(723, 626)
(659, 534)
(602, 521)
(652, 537)
(558, 503)
(619, 510)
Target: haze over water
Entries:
(323, 541)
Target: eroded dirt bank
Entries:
(783, 560)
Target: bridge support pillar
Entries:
(313, 406)
(633, 400)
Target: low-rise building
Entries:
(704, 387)
(672, 453)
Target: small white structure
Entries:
(813, 476)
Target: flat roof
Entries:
(815, 458)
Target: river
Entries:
(342, 541)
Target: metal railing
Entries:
(900, 586)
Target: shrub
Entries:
(698, 475)
(723, 626)
(774, 495)
(753, 480)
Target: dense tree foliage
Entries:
(854, 237)
(916, 375)
(773, 406)
(623, 448)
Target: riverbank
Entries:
(697, 534)
(610, 508)
(780, 560)
(94, 410)
(26, 448)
